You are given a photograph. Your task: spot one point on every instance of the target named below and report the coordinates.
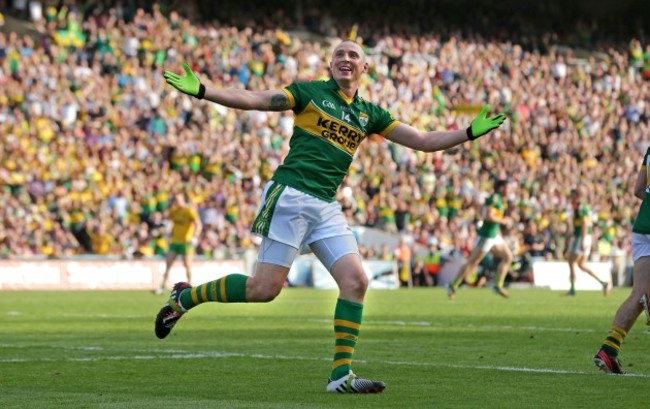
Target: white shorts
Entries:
(640, 245)
(580, 247)
(297, 219)
(486, 243)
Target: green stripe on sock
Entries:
(234, 289)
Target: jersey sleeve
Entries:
(294, 92)
(382, 121)
(491, 201)
(173, 214)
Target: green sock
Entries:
(231, 288)
(347, 324)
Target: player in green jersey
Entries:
(489, 241)
(579, 246)
(639, 300)
(299, 210)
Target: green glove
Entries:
(482, 124)
(188, 84)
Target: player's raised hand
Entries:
(188, 84)
(482, 124)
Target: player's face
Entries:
(576, 196)
(348, 62)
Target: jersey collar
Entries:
(333, 85)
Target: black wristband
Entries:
(469, 133)
(201, 93)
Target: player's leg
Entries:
(583, 256)
(273, 263)
(581, 262)
(627, 314)
(503, 252)
(187, 263)
(571, 259)
(340, 256)
(483, 246)
(169, 261)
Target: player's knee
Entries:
(263, 293)
(267, 296)
(359, 284)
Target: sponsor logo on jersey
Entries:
(335, 131)
(328, 104)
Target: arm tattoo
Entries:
(279, 102)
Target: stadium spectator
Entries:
(128, 125)
(431, 262)
(534, 247)
(331, 120)
(404, 258)
(101, 241)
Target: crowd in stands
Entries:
(94, 143)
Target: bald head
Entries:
(350, 44)
(348, 63)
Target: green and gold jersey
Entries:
(642, 222)
(491, 229)
(327, 131)
(185, 220)
(581, 215)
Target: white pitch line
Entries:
(439, 324)
(370, 322)
(176, 355)
(508, 369)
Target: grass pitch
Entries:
(534, 350)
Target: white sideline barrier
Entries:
(308, 271)
(555, 275)
(107, 274)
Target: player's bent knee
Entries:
(266, 294)
(258, 290)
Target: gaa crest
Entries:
(363, 119)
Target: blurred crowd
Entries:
(94, 143)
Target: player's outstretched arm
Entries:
(270, 100)
(440, 140)
(641, 183)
